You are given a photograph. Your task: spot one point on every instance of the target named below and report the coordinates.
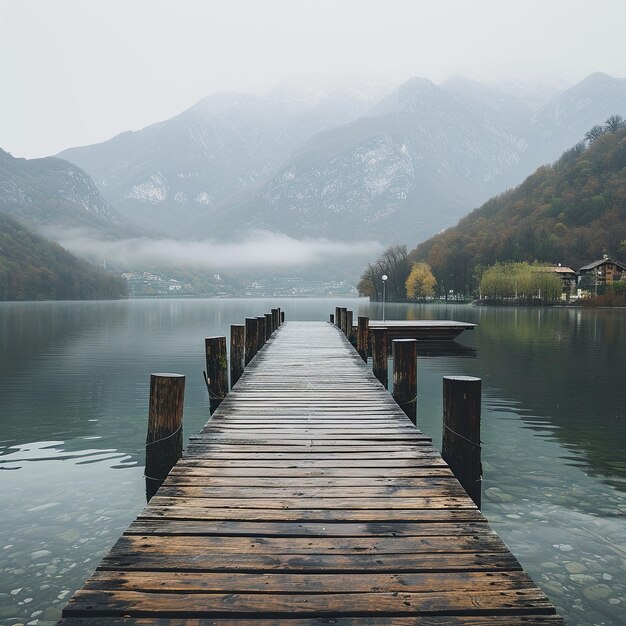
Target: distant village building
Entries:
(604, 271)
(569, 278)
(590, 278)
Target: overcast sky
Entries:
(74, 72)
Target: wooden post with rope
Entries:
(461, 448)
(164, 441)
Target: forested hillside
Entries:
(570, 212)
(33, 268)
(53, 194)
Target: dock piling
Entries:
(251, 339)
(268, 326)
(275, 319)
(237, 352)
(362, 337)
(350, 326)
(404, 354)
(332, 318)
(164, 441)
(216, 370)
(379, 355)
(260, 332)
(461, 448)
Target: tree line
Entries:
(414, 281)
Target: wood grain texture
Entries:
(309, 498)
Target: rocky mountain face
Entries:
(341, 165)
(416, 162)
(52, 193)
(168, 173)
(422, 157)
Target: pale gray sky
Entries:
(74, 72)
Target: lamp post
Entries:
(384, 277)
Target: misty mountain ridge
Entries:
(172, 171)
(332, 164)
(417, 161)
(52, 193)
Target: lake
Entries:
(74, 383)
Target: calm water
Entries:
(74, 381)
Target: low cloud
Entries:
(261, 249)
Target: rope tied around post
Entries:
(460, 436)
(462, 452)
(407, 401)
(153, 443)
(212, 396)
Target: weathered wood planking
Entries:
(309, 498)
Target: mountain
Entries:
(412, 165)
(164, 175)
(33, 268)
(342, 163)
(421, 157)
(52, 194)
(570, 212)
(570, 114)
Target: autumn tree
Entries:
(420, 283)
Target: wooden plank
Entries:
(177, 510)
(118, 602)
(187, 546)
(372, 582)
(334, 504)
(304, 529)
(309, 498)
(294, 563)
(202, 480)
(364, 474)
(379, 620)
(444, 488)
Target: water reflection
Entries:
(433, 349)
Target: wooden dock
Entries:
(422, 330)
(309, 498)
